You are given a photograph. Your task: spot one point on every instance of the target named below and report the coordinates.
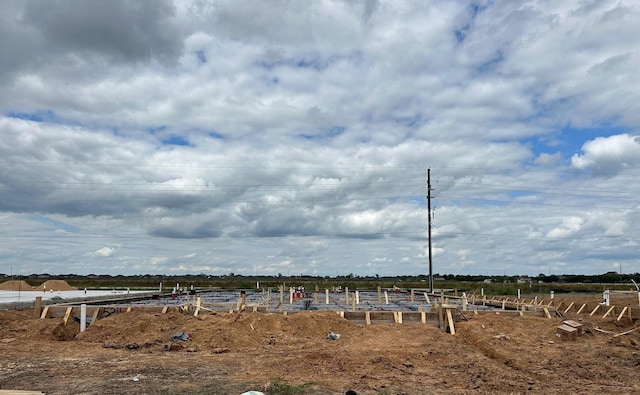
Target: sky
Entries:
(294, 137)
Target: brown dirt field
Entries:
(233, 353)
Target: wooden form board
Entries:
(566, 332)
(576, 325)
(452, 328)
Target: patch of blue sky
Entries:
(216, 135)
(569, 139)
(175, 140)
(38, 116)
(331, 132)
(491, 65)
(202, 57)
(574, 138)
(461, 33)
(55, 223)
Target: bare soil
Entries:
(133, 353)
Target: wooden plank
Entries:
(626, 332)
(165, 309)
(569, 308)
(96, 315)
(423, 317)
(45, 312)
(37, 307)
(452, 329)
(546, 312)
(367, 318)
(67, 315)
(624, 310)
(566, 332)
(595, 309)
(129, 309)
(574, 324)
(581, 308)
(609, 311)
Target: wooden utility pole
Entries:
(429, 229)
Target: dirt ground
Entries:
(133, 353)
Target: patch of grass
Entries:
(280, 387)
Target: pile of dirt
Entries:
(15, 285)
(55, 285)
(219, 332)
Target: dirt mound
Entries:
(55, 285)
(218, 332)
(15, 285)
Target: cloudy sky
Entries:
(266, 137)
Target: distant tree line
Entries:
(250, 281)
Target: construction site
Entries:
(321, 341)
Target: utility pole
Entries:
(429, 229)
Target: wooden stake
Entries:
(96, 315)
(367, 318)
(452, 329)
(595, 309)
(609, 311)
(423, 317)
(569, 308)
(45, 312)
(624, 310)
(67, 315)
(581, 308)
(37, 307)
